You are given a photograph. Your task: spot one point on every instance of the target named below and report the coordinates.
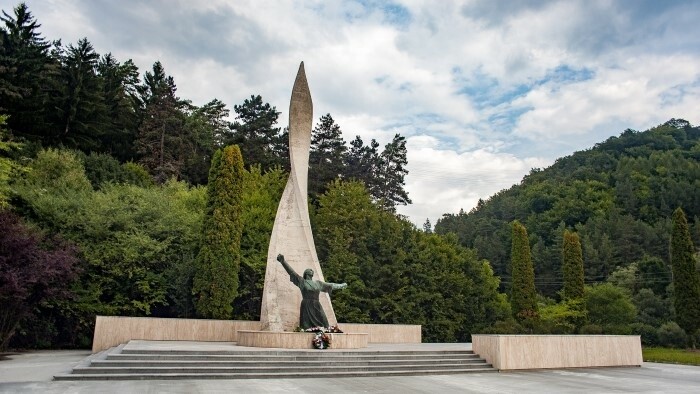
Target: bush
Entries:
(561, 318)
(609, 306)
(648, 333)
(509, 326)
(672, 335)
(591, 329)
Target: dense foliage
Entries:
(33, 270)
(398, 274)
(619, 196)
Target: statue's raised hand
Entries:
(280, 257)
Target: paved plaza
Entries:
(32, 372)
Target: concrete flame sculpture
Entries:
(291, 233)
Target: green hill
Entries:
(619, 195)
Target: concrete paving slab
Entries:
(31, 372)
(232, 346)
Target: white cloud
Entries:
(470, 82)
(444, 181)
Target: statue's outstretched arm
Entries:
(338, 286)
(293, 276)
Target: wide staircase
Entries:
(125, 363)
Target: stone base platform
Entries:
(112, 331)
(299, 340)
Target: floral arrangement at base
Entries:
(322, 340)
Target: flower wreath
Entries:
(322, 340)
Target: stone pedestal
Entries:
(299, 340)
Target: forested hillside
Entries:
(619, 196)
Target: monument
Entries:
(291, 232)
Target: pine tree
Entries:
(162, 141)
(427, 227)
(686, 281)
(215, 284)
(523, 295)
(27, 73)
(255, 133)
(119, 83)
(327, 154)
(392, 170)
(82, 114)
(362, 164)
(572, 266)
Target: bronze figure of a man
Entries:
(311, 312)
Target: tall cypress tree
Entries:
(572, 266)
(523, 296)
(686, 281)
(215, 284)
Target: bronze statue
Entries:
(311, 312)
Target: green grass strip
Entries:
(674, 356)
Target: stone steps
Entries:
(124, 363)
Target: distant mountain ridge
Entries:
(619, 195)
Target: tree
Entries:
(119, 82)
(261, 195)
(362, 163)
(255, 133)
(572, 263)
(215, 283)
(82, 114)
(327, 154)
(382, 173)
(7, 165)
(686, 282)
(26, 74)
(523, 295)
(162, 142)
(392, 170)
(427, 227)
(208, 128)
(610, 307)
(33, 269)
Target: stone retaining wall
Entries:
(508, 352)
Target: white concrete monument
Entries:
(291, 233)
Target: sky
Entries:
(483, 90)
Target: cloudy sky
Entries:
(484, 90)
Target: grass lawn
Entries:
(674, 356)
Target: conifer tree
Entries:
(327, 153)
(255, 132)
(162, 141)
(523, 295)
(686, 282)
(215, 284)
(572, 266)
(26, 74)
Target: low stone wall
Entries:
(114, 330)
(509, 352)
(298, 340)
(386, 333)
